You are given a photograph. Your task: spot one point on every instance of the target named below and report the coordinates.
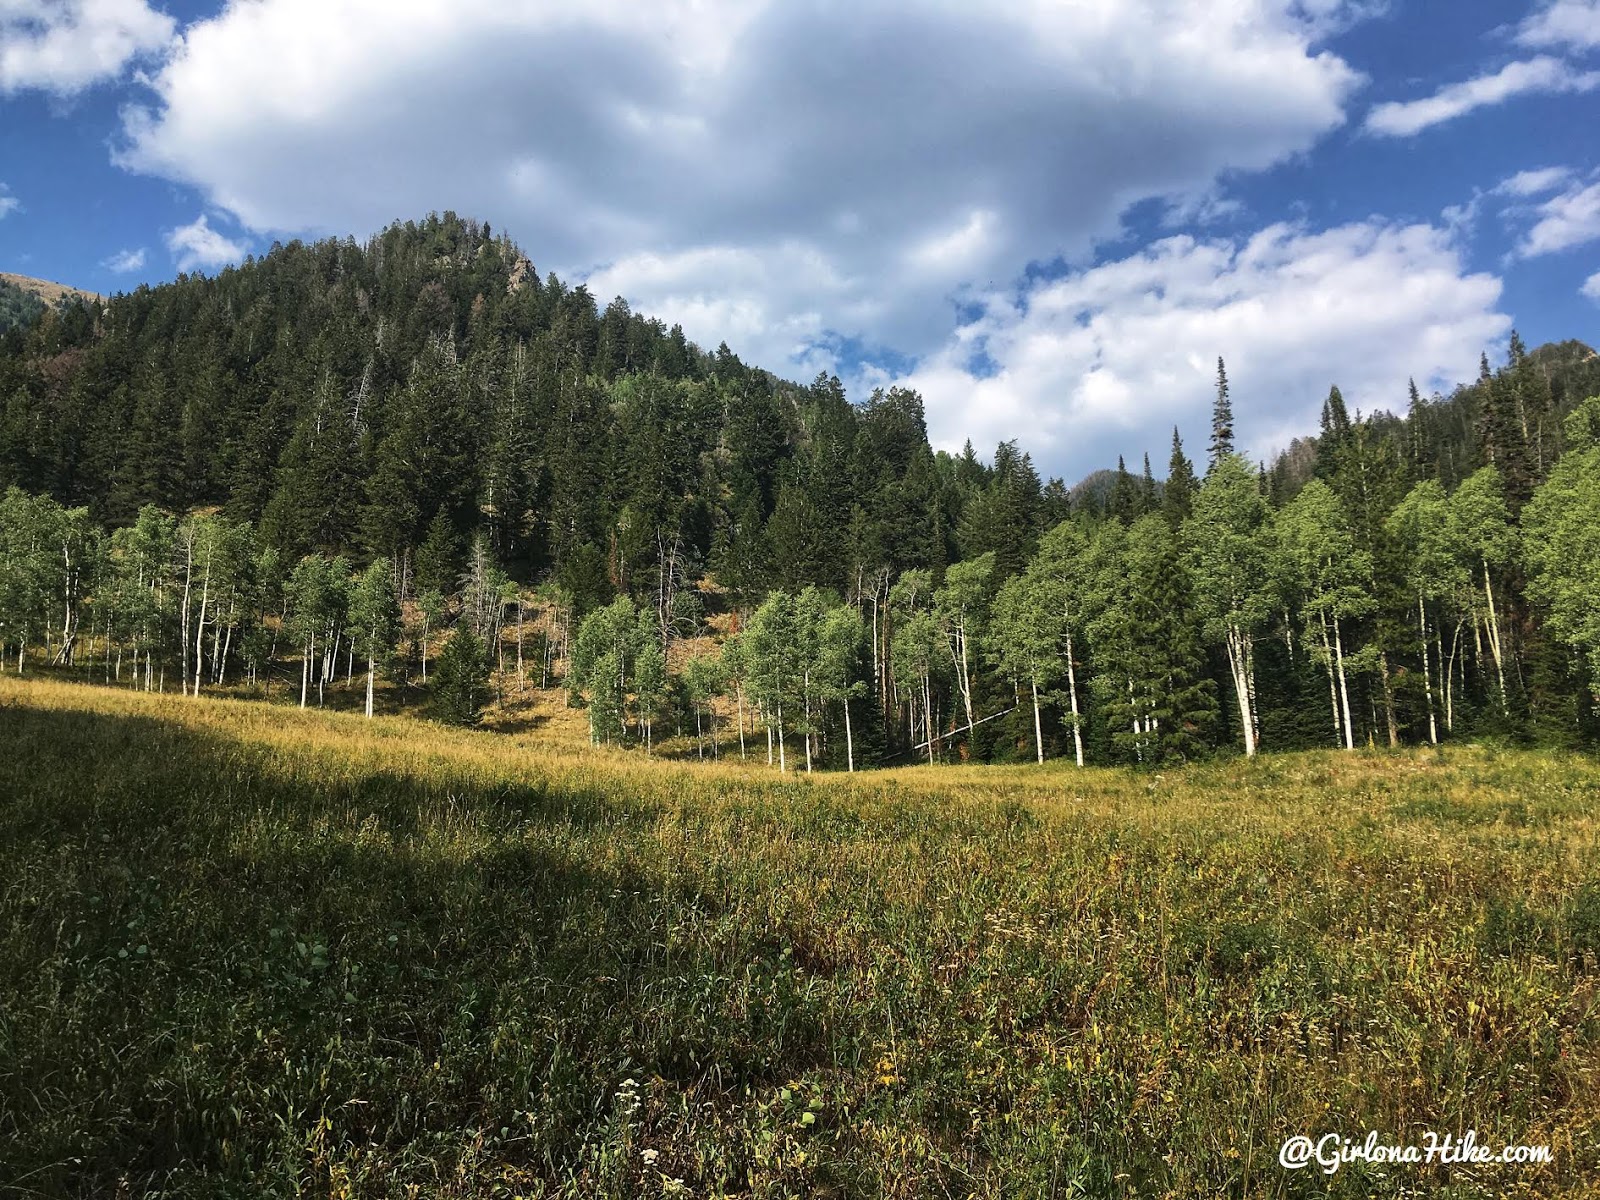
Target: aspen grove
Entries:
(302, 478)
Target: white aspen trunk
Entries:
(849, 740)
(875, 638)
(200, 630)
(769, 742)
(222, 659)
(1250, 676)
(808, 721)
(1038, 726)
(183, 618)
(738, 691)
(350, 663)
(783, 762)
(1427, 674)
(522, 681)
(966, 679)
(1333, 689)
(425, 653)
(1241, 687)
(1344, 687)
(1072, 693)
(1390, 722)
(305, 670)
(927, 713)
(1449, 678)
(66, 605)
(371, 671)
(1494, 639)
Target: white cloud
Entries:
(1535, 182)
(198, 245)
(1571, 23)
(1541, 74)
(1564, 221)
(782, 174)
(767, 301)
(1591, 286)
(125, 261)
(8, 203)
(1100, 361)
(64, 46)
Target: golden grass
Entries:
(408, 956)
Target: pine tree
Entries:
(1221, 418)
(1177, 500)
(461, 679)
(1125, 506)
(1152, 684)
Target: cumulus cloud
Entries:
(1591, 287)
(65, 46)
(802, 171)
(1099, 361)
(1571, 23)
(8, 203)
(1535, 182)
(1568, 219)
(198, 245)
(125, 261)
(1542, 74)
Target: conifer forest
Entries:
(411, 468)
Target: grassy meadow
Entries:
(250, 951)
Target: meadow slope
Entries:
(246, 950)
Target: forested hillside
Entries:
(18, 306)
(344, 449)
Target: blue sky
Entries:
(1049, 219)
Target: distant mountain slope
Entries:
(45, 289)
(17, 307)
(22, 298)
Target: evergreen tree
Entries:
(1221, 418)
(1177, 499)
(1158, 702)
(1125, 505)
(461, 680)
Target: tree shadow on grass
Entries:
(218, 974)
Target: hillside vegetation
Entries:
(373, 451)
(24, 299)
(246, 950)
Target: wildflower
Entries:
(649, 1157)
